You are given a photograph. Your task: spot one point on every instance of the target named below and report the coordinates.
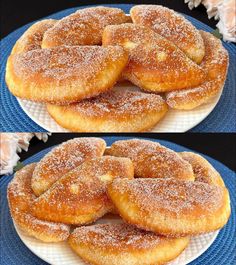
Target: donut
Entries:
(83, 27)
(64, 74)
(79, 197)
(152, 160)
(171, 207)
(215, 63)
(123, 244)
(155, 63)
(113, 111)
(203, 170)
(172, 26)
(20, 198)
(33, 36)
(63, 158)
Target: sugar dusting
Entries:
(149, 49)
(118, 236)
(20, 198)
(118, 103)
(203, 170)
(85, 182)
(83, 27)
(61, 63)
(152, 159)
(32, 38)
(215, 63)
(170, 25)
(171, 196)
(64, 158)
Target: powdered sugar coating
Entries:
(80, 196)
(152, 160)
(32, 38)
(118, 103)
(64, 74)
(215, 64)
(64, 158)
(61, 63)
(122, 237)
(83, 27)
(193, 97)
(172, 197)
(203, 170)
(172, 26)
(20, 199)
(155, 63)
(216, 59)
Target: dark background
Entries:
(221, 147)
(15, 14)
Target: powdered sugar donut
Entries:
(171, 207)
(64, 74)
(172, 26)
(20, 198)
(123, 244)
(152, 160)
(215, 63)
(80, 197)
(63, 158)
(113, 111)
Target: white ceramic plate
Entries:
(174, 121)
(61, 253)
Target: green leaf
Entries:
(217, 34)
(18, 166)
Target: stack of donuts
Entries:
(72, 65)
(161, 198)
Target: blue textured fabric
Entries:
(221, 252)
(13, 118)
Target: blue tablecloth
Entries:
(13, 118)
(221, 252)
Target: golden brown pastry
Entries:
(152, 160)
(79, 197)
(64, 74)
(203, 170)
(32, 38)
(62, 159)
(155, 63)
(171, 207)
(83, 27)
(20, 198)
(115, 111)
(122, 244)
(215, 63)
(172, 26)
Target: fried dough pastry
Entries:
(215, 63)
(122, 244)
(171, 207)
(20, 198)
(64, 74)
(115, 111)
(62, 159)
(152, 160)
(83, 27)
(32, 38)
(172, 26)
(155, 63)
(203, 170)
(79, 197)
